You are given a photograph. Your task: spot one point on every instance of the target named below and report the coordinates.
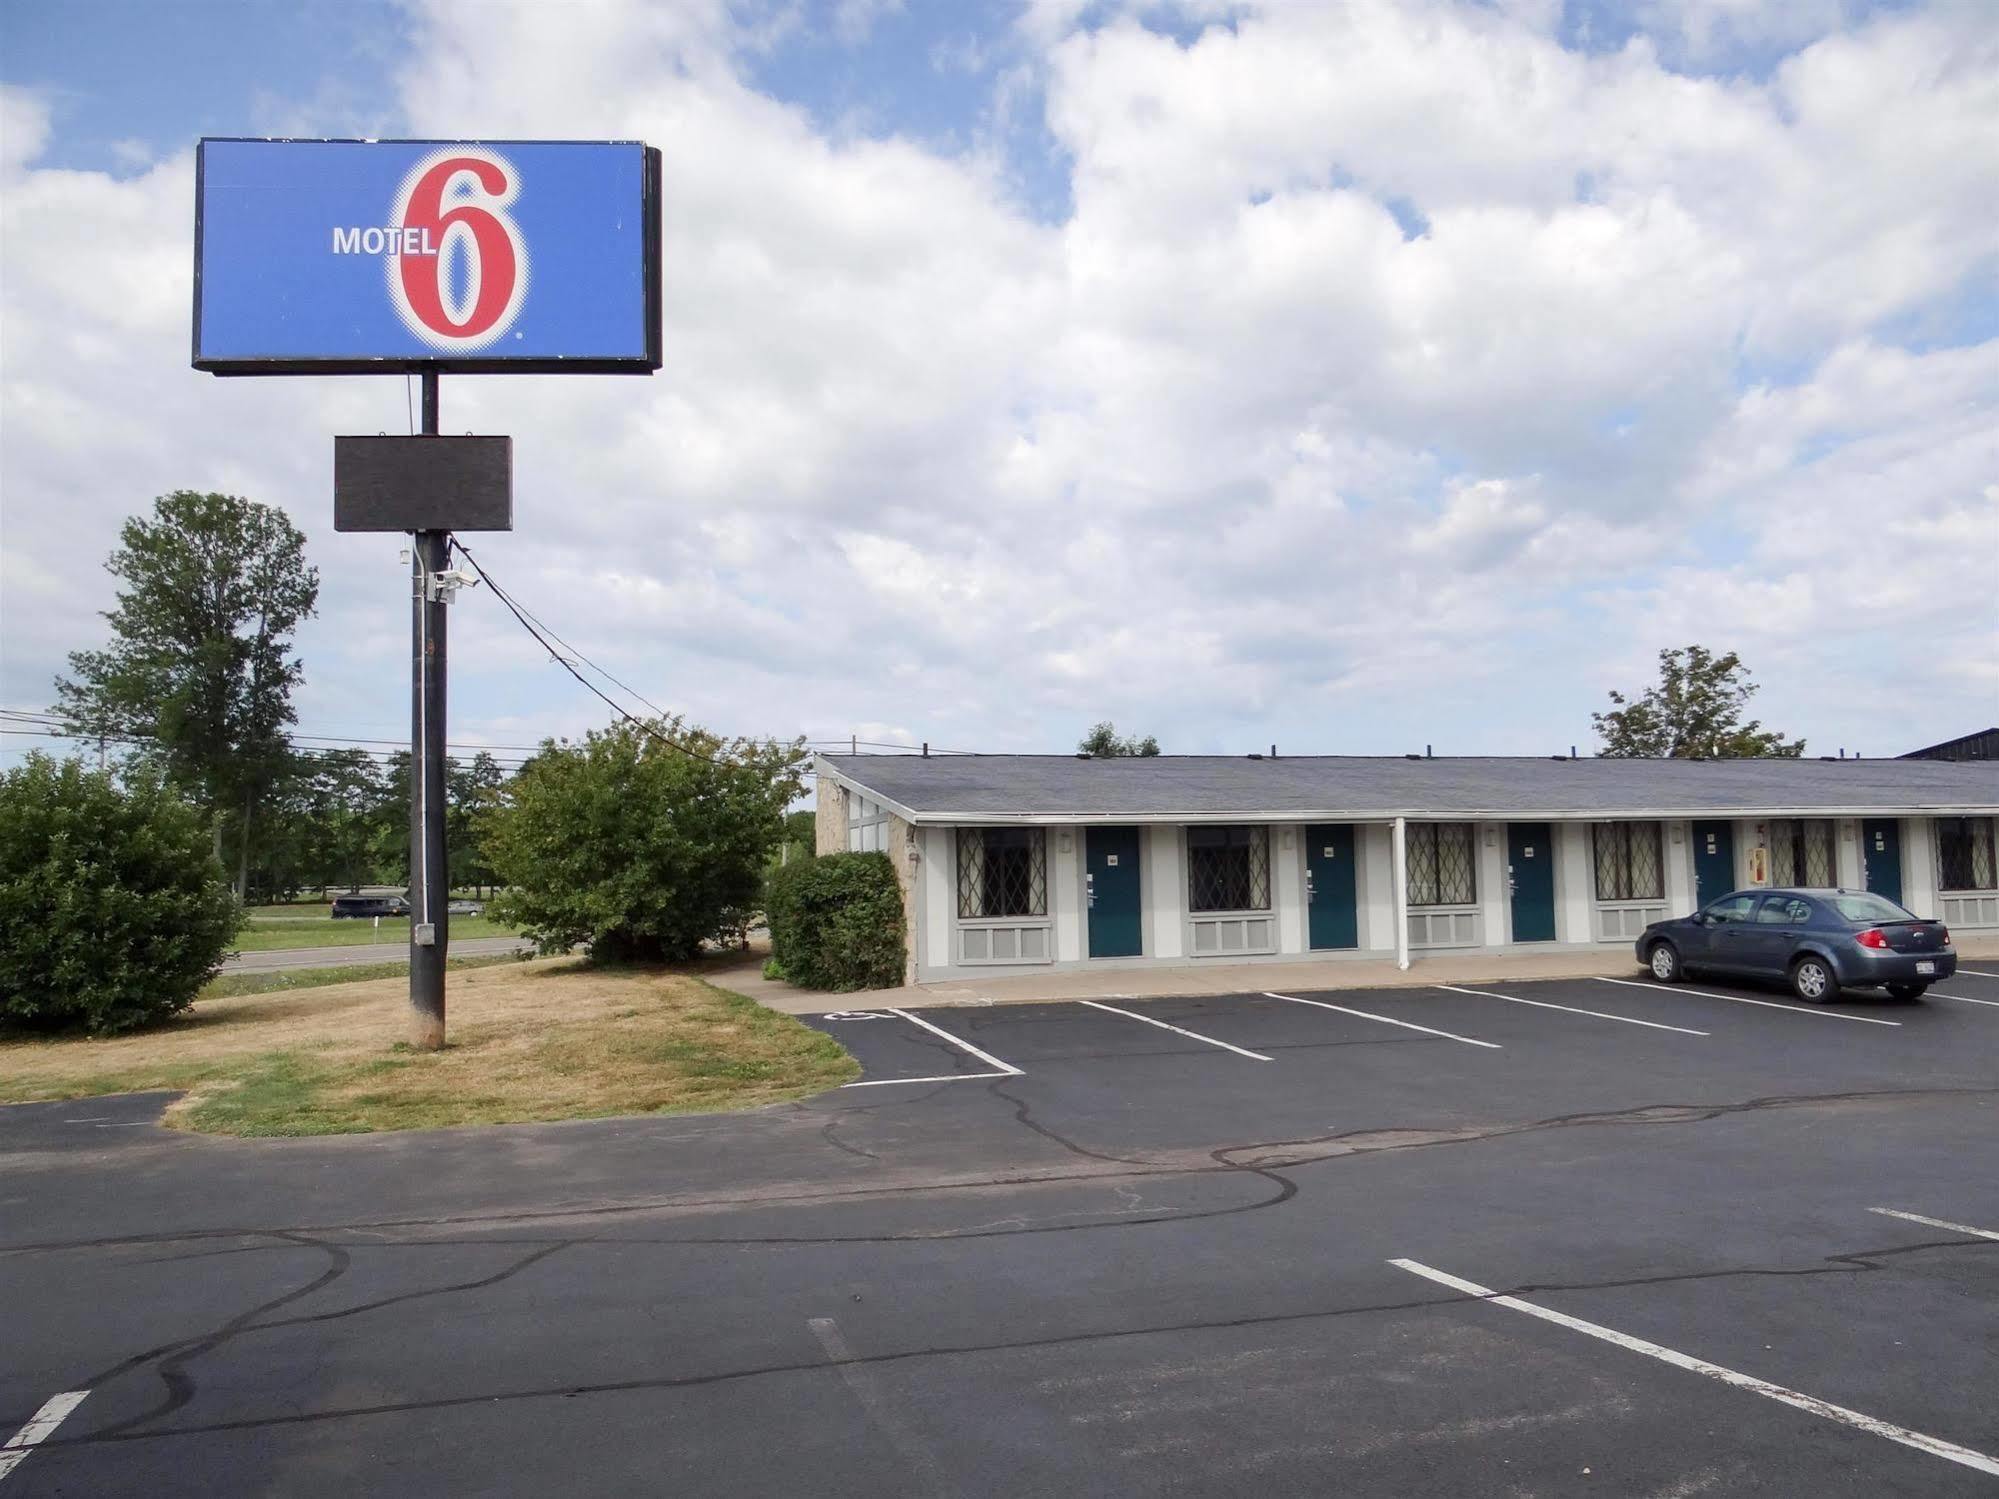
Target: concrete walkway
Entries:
(747, 978)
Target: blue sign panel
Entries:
(345, 257)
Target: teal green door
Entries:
(1714, 862)
(1117, 930)
(1530, 860)
(1881, 855)
(1330, 886)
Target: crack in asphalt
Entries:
(171, 1359)
(1845, 1263)
(1224, 1159)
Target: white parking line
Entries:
(1386, 1020)
(1254, 1056)
(1737, 999)
(1964, 999)
(1571, 1009)
(949, 1077)
(1810, 1404)
(1980, 972)
(862, 1385)
(1004, 1069)
(986, 1057)
(1956, 1228)
(44, 1421)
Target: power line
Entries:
(555, 655)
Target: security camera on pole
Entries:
(418, 258)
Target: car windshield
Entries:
(1867, 906)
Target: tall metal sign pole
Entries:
(430, 864)
(421, 257)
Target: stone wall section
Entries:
(830, 822)
(898, 843)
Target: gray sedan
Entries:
(1817, 941)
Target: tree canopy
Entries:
(200, 669)
(1103, 742)
(1694, 712)
(643, 841)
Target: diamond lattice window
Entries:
(1228, 869)
(1801, 853)
(1630, 863)
(1443, 867)
(1965, 854)
(1002, 872)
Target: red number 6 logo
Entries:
(459, 270)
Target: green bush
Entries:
(642, 841)
(113, 908)
(836, 922)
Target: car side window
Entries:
(1735, 908)
(1782, 910)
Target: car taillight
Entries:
(1872, 938)
(1943, 935)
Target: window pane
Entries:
(1965, 854)
(1443, 864)
(1002, 872)
(1630, 861)
(1228, 869)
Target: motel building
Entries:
(1026, 863)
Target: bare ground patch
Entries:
(556, 1039)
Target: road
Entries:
(366, 952)
(1210, 1246)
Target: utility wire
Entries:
(568, 666)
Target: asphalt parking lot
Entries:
(1584, 1236)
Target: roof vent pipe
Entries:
(1273, 752)
(1427, 753)
(1572, 752)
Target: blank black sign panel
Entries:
(423, 484)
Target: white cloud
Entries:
(1226, 455)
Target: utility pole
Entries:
(430, 878)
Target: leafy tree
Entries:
(389, 823)
(201, 665)
(341, 810)
(641, 842)
(474, 790)
(1694, 713)
(1103, 743)
(113, 908)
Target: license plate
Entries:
(1926, 967)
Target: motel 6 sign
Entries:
(368, 257)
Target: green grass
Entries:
(265, 934)
(229, 985)
(528, 1041)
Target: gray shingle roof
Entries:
(944, 788)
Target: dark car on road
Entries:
(1817, 941)
(369, 905)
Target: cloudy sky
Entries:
(1345, 376)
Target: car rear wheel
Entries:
(1812, 980)
(1664, 961)
(1907, 991)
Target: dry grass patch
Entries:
(555, 1039)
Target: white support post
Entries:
(1399, 859)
